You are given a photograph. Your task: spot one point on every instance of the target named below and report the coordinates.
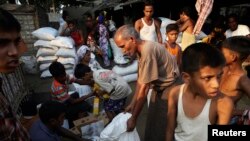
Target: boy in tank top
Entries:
(198, 103)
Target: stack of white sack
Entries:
(66, 53)
(46, 52)
(129, 71)
(167, 21)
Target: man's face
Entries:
(172, 36)
(228, 54)
(206, 81)
(233, 24)
(89, 22)
(128, 46)
(87, 57)
(148, 11)
(11, 48)
(57, 122)
(62, 79)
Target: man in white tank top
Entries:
(147, 27)
(198, 103)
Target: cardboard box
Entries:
(90, 119)
(75, 130)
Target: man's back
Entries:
(40, 132)
(155, 60)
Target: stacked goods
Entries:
(66, 53)
(125, 68)
(46, 52)
(54, 48)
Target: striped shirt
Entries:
(59, 91)
(10, 127)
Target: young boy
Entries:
(111, 83)
(235, 82)
(49, 126)
(198, 103)
(172, 31)
(186, 26)
(76, 106)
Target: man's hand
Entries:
(131, 124)
(129, 108)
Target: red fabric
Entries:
(76, 36)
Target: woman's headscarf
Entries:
(81, 52)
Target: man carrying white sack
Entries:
(157, 68)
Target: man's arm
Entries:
(138, 25)
(171, 115)
(183, 26)
(225, 108)
(130, 107)
(139, 102)
(80, 99)
(244, 85)
(158, 32)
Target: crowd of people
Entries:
(190, 84)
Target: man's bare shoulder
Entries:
(138, 22)
(157, 23)
(222, 99)
(174, 92)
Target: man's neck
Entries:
(140, 46)
(234, 68)
(148, 19)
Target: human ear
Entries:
(234, 56)
(185, 77)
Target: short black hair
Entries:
(88, 15)
(65, 14)
(239, 44)
(148, 3)
(51, 110)
(29, 108)
(81, 70)
(8, 23)
(187, 11)
(199, 55)
(234, 16)
(171, 27)
(57, 69)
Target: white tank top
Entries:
(148, 32)
(192, 129)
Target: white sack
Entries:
(130, 69)
(61, 41)
(66, 52)
(46, 59)
(45, 33)
(130, 77)
(46, 51)
(65, 61)
(117, 130)
(43, 43)
(45, 74)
